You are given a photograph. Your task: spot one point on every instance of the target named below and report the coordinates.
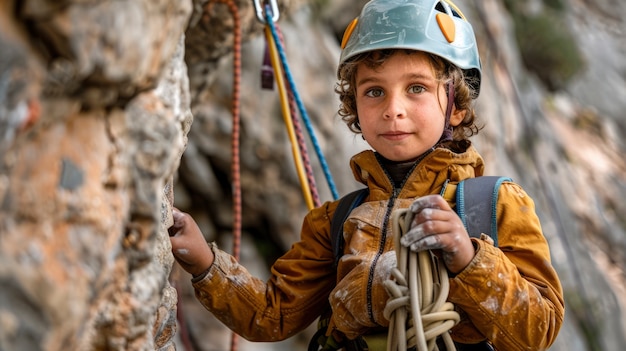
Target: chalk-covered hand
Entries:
(435, 226)
(189, 245)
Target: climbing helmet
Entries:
(434, 26)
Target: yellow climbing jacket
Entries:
(522, 309)
(475, 203)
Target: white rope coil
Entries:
(417, 309)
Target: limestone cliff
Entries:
(96, 106)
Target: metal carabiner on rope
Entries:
(260, 13)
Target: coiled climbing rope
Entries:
(417, 309)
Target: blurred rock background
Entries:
(96, 107)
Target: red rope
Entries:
(235, 146)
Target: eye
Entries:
(416, 89)
(374, 92)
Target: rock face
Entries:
(96, 105)
(95, 112)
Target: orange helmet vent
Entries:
(348, 32)
(446, 24)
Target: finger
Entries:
(428, 201)
(179, 222)
(425, 236)
(433, 223)
(429, 214)
(174, 229)
(177, 215)
(421, 225)
(430, 242)
(414, 234)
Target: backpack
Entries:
(476, 200)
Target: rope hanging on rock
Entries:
(287, 118)
(292, 86)
(297, 126)
(417, 309)
(235, 145)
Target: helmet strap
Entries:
(447, 129)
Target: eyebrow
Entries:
(409, 76)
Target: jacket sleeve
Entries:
(292, 298)
(511, 294)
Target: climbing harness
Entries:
(417, 309)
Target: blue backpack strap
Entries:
(476, 200)
(345, 206)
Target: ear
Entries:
(457, 116)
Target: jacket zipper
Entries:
(381, 249)
(383, 229)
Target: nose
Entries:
(394, 107)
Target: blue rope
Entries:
(303, 114)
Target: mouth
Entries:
(395, 135)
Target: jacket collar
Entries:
(427, 177)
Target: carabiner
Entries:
(260, 13)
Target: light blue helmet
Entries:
(434, 26)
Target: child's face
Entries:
(401, 106)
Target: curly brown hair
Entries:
(464, 91)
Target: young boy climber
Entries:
(409, 72)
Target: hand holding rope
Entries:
(417, 309)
